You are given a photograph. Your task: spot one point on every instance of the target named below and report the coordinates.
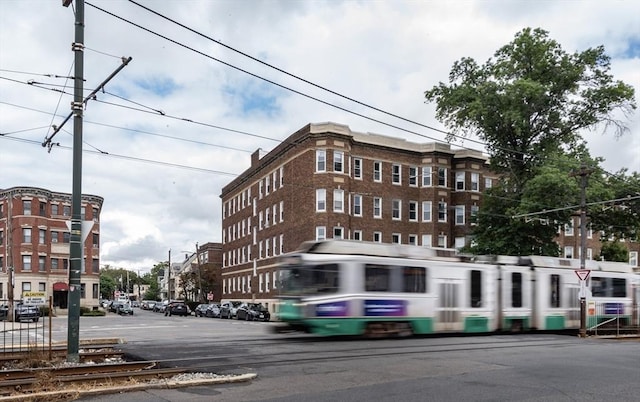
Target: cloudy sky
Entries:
(183, 117)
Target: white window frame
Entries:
(396, 174)
(460, 180)
(427, 211)
(377, 237)
(426, 176)
(321, 160)
(338, 232)
(321, 200)
(396, 209)
(413, 211)
(412, 240)
(442, 211)
(357, 205)
(475, 181)
(413, 176)
(321, 233)
(460, 210)
(443, 176)
(377, 207)
(357, 235)
(338, 161)
(396, 238)
(377, 171)
(357, 168)
(427, 240)
(338, 200)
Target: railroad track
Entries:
(27, 381)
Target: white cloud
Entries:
(385, 54)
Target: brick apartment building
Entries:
(326, 181)
(34, 244)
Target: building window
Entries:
(413, 240)
(83, 290)
(377, 171)
(396, 210)
(426, 176)
(26, 263)
(26, 287)
(442, 211)
(442, 177)
(95, 293)
(42, 286)
(633, 258)
(459, 214)
(95, 268)
(96, 240)
(475, 180)
(442, 240)
(590, 254)
(321, 200)
(26, 235)
(396, 238)
(568, 228)
(377, 237)
(427, 240)
(338, 232)
(474, 214)
(43, 209)
(66, 210)
(1, 239)
(338, 164)
(426, 211)
(26, 205)
(321, 160)
(54, 263)
(396, 174)
(377, 207)
(568, 251)
(321, 233)
(54, 209)
(267, 185)
(413, 211)
(459, 242)
(357, 168)
(460, 176)
(42, 234)
(94, 212)
(338, 200)
(42, 261)
(357, 205)
(357, 235)
(413, 176)
(488, 182)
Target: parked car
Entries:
(228, 309)
(177, 308)
(200, 310)
(113, 307)
(253, 312)
(124, 309)
(159, 307)
(213, 311)
(21, 311)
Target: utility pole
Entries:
(169, 278)
(584, 173)
(200, 293)
(76, 240)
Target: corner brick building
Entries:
(326, 181)
(34, 244)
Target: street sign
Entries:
(209, 296)
(34, 298)
(583, 274)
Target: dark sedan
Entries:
(176, 308)
(253, 312)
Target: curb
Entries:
(75, 392)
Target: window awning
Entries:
(60, 287)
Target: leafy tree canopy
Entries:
(528, 104)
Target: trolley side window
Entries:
(414, 279)
(377, 278)
(476, 288)
(608, 287)
(555, 290)
(516, 289)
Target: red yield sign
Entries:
(583, 274)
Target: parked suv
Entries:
(22, 312)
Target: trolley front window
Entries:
(298, 280)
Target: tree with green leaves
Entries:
(528, 104)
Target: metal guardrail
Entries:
(613, 319)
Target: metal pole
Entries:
(169, 278)
(75, 241)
